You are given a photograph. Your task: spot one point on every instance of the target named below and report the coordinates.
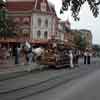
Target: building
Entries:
(65, 33)
(34, 20)
(87, 35)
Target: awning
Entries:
(22, 40)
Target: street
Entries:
(49, 50)
(53, 84)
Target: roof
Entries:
(22, 40)
(20, 6)
(38, 4)
(29, 5)
(85, 30)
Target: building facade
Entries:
(65, 33)
(33, 19)
(87, 35)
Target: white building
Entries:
(35, 19)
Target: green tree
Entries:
(6, 25)
(75, 6)
(10, 27)
(3, 22)
(80, 42)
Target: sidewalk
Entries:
(7, 69)
(10, 67)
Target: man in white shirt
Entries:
(85, 57)
(71, 59)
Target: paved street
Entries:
(46, 84)
(45, 54)
(85, 88)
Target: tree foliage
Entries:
(6, 25)
(80, 42)
(75, 6)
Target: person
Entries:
(89, 57)
(17, 55)
(77, 55)
(10, 51)
(85, 57)
(30, 56)
(4, 55)
(71, 59)
(7, 54)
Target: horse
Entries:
(37, 53)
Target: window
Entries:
(39, 21)
(43, 6)
(17, 20)
(25, 20)
(46, 23)
(25, 31)
(45, 34)
(38, 34)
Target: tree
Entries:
(6, 25)
(75, 6)
(80, 42)
(3, 23)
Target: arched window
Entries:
(45, 34)
(43, 6)
(25, 20)
(46, 22)
(16, 20)
(39, 21)
(38, 34)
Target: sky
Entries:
(87, 21)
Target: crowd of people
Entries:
(14, 55)
(26, 55)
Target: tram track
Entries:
(16, 75)
(46, 85)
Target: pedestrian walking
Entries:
(77, 55)
(10, 51)
(85, 57)
(17, 55)
(89, 57)
(71, 59)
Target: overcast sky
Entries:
(87, 21)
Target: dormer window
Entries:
(25, 20)
(17, 20)
(43, 6)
